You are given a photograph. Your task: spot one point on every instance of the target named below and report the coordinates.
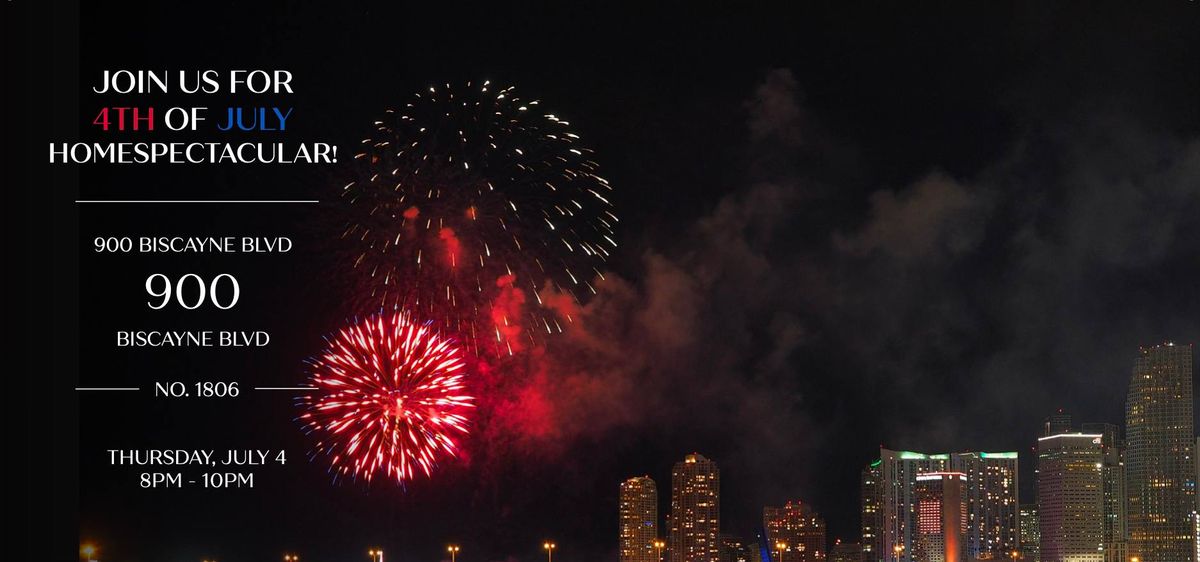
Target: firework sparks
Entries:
(464, 197)
(390, 399)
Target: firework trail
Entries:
(465, 204)
(389, 399)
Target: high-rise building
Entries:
(638, 520)
(991, 495)
(795, 532)
(941, 517)
(993, 525)
(695, 511)
(1071, 497)
(898, 477)
(1031, 533)
(845, 552)
(1159, 464)
(1112, 474)
(872, 513)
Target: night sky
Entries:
(842, 227)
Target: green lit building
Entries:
(890, 503)
(993, 512)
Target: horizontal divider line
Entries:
(197, 201)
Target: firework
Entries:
(389, 399)
(466, 204)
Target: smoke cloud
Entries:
(788, 339)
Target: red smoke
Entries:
(563, 304)
(453, 246)
(538, 402)
(507, 311)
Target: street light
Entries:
(549, 547)
(290, 558)
(658, 546)
(899, 551)
(376, 554)
(453, 550)
(780, 546)
(88, 552)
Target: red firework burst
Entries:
(390, 398)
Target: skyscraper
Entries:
(991, 495)
(638, 520)
(1112, 475)
(941, 517)
(993, 525)
(695, 511)
(799, 529)
(1159, 463)
(1071, 497)
(898, 477)
(1031, 533)
(872, 513)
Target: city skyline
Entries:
(836, 228)
(1080, 514)
(945, 507)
